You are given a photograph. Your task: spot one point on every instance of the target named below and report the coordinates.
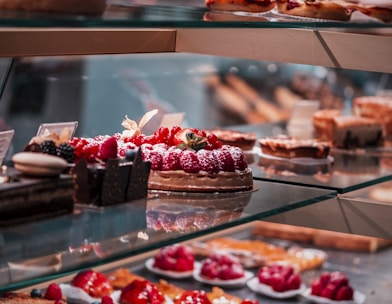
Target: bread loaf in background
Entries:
(321, 238)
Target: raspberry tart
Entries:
(175, 261)
(222, 269)
(277, 281)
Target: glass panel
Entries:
(174, 13)
(37, 251)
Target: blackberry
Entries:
(35, 293)
(67, 152)
(49, 147)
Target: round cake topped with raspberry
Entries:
(182, 159)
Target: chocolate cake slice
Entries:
(26, 198)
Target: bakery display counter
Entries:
(368, 273)
(178, 26)
(343, 171)
(37, 251)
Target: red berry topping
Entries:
(108, 149)
(53, 292)
(193, 297)
(171, 160)
(225, 160)
(222, 266)
(344, 293)
(94, 283)
(333, 286)
(208, 161)
(107, 300)
(154, 157)
(239, 158)
(175, 258)
(280, 277)
(141, 292)
(249, 301)
(189, 162)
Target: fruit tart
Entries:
(141, 292)
(88, 286)
(175, 261)
(222, 269)
(277, 281)
(51, 295)
(333, 287)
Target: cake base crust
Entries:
(200, 182)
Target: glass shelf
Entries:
(175, 13)
(35, 252)
(344, 171)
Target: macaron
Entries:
(38, 164)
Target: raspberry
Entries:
(48, 147)
(171, 160)
(108, 149)
(90, 151)
(225, 161)
(239, 158)
(154, 157)
(53, 292)
(208, 161)
(189, 162)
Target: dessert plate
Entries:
(267, 290)
(358, 298)
(169, 273)
(223, 283)
(72, 293)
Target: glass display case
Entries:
(94, 70)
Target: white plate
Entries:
(169, 273)
(358, 298)
(267, 290)
(223, 283)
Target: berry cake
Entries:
(221, 266)
(182, 159)
(332, 286)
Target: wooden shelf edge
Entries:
(21, 42)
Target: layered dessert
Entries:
(258, 6)
(290, 147)
(375, 107)
(243, 140)
(348, 132)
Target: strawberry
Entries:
(183, 264)
(249, 301)
(209, 269)
(193, 297)
(338, 279)
(231, 271)
(293, 282)
(107, 300)
(329, 291)
(225, 160)
(190, 138)
(324, 278)
(108, 149)
(344, 293)
(94, 283)
(278, 282)
(100, 286)
(316, 287)
(264, 277)
(83, 280)
(208, 162)
(53, 292)
(141, 292)
(189, 162)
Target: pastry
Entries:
(323, 123)
(289, 147)
(378, 108)
(283, 231)
(38, 164)
(87, 7)
(379, 9)
(243, 140)
(320, 9)
(257, 6)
